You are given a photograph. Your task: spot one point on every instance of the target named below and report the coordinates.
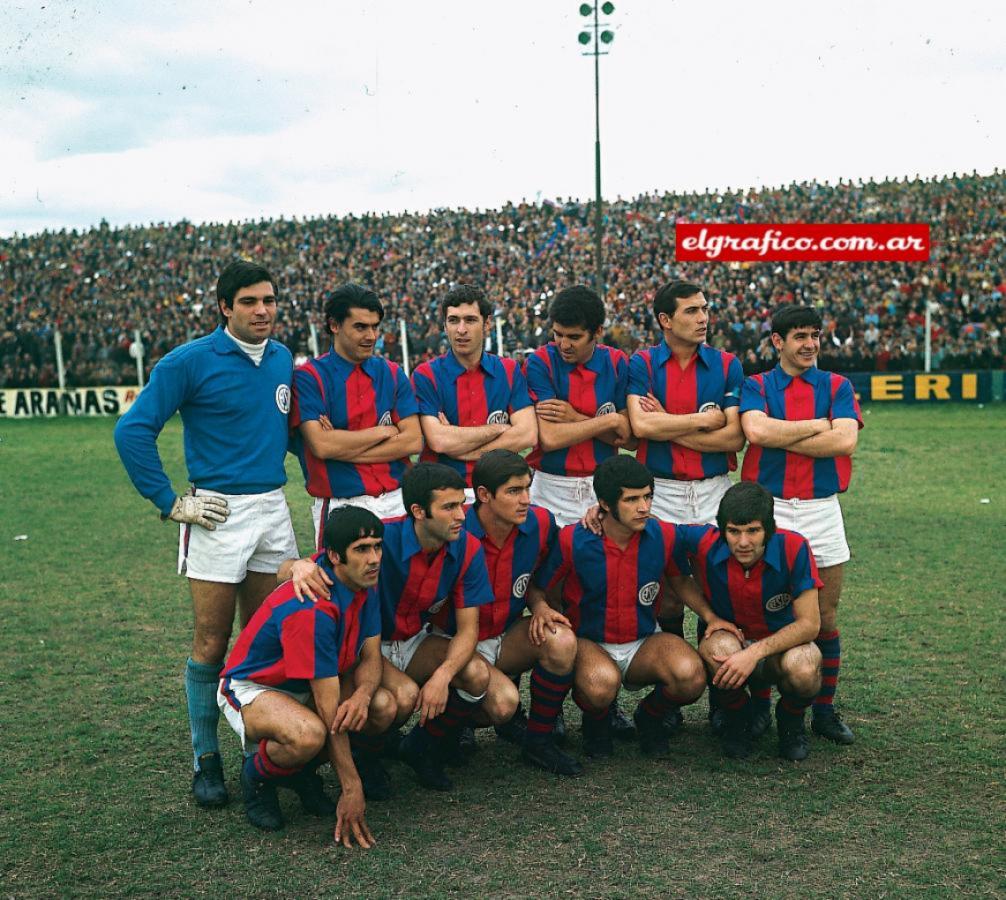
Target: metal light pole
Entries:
(599, 37)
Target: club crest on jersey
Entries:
(436, 607)
(779, 601)
(604, 409)
(283, 398)
(705, 407)
(498, 417)
(648, 593)
(520, 585)
(386, 419)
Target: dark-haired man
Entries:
(356, 414)
(803, 425)
(471, 401)
(764, 580)
(326, 651)
(431, 562)
(579, 390)
(232, 388)
(517, 538)
(611, 584)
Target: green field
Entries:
(94, 786)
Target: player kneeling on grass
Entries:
(517, 538)
(765, 581)
(302, 675)
(610, 584)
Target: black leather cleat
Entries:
(830, 726)
(419, 752)
(261, 802)
(208, 786)
(544, 754)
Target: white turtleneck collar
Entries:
(255, 351)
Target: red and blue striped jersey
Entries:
(359, 611)
(414, 585)
(488, 394)
(595, 388)
(758, 600)
(354, 397)
(287, 643)
(711, 378)
(510, 569)
(611, 594)
(812, 395)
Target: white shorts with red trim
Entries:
(400, 653)
(820, 521)
(688, 502)
(384, 506)
(257, 537)
(244, 693)
(567, 497)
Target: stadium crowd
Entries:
(97, 286)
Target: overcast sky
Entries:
(138, 112)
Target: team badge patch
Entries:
(604, 409)
(705, 407)
(779, 601)
(437, 606)
(520, 585)
(498, 417)
(283, 398)
(386, 418)
(648, 593)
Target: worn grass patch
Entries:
(94, 786)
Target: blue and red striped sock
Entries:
(790, 707)
(831, 650)
(261, 768)
(548, 691)
(589, 711)
(762, 697)
(733, 701)
(457, 712)
(659, 702)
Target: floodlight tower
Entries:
(600, 36)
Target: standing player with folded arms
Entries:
(232, 389)
(803, 425)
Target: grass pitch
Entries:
(94, 786)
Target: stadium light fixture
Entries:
(599, 37)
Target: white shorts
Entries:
(623, 655)
(400, 653)
(245, 693)
(489, 649)
(384, 506)
(820, 521)
(688, 502)
(567, 497)
(257, 537)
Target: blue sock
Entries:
(201, 682)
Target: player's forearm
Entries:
(516, 437)
(764, 431)
(459, 651)
(786, 638)
(728, 439)
(456, 440)
(662, 426)
(342, 444)
(825, 445)
(559, 435)
(691, 595)
(368, 669)
(341, 757)
(398, 447)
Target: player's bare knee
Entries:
(719, 643)
(303, 736)
(687, 674)
(801, 670)
(558, 653)
(209, 646)
(501, 702)
(383, 709)
(406, 694)
(474, 677)
(598, 686)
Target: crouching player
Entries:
(303, 674)
(431, 562)
(610, 585)
(517, 539)
(765, 581)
